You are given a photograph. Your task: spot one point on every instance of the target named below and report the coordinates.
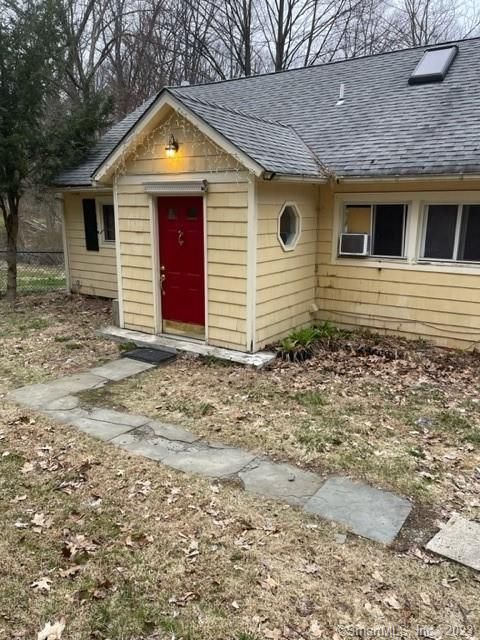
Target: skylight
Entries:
(434, 65)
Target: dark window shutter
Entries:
(90, 223)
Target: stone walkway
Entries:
(364, 510)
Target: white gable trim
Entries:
(168, 100)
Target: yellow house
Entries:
(235, 211)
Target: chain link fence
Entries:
(37, 271)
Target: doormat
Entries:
(152, 356)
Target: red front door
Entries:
(182, 259)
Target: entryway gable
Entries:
(148, 139)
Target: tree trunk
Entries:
(10, 215)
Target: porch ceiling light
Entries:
(172, 146)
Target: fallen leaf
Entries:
(425, 598)
(315, 629)
(392, 602)
(52, 631)
(28, 467)
(42, 584)
(235, 605)
(70, 572)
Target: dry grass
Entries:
(44, 336)
(126, 549)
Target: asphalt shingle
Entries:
(290, 122)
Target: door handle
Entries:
(180, 237)
(163, 277)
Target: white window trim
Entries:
(290, 247)
(414, 236)
(99, 202)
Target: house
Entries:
(235, 211)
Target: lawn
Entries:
(32, 278)
(115, 546)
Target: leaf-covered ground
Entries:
(99, 544)
(402, 415)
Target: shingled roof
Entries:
(290, 123)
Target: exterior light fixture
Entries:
(172, 146)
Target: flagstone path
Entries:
(362, 509)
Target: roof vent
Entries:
(434, 65)
(341, 95)
(185, 83)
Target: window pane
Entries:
(191, 213)
(388, 229)
(171, 215)
(469, 248)
(108, 223)
(357, 218)
(440, 232)
(288, 226)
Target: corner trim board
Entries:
(118, 255)
(251, 265)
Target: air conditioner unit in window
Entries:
(354, 244)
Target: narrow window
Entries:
(441, 226)
(90, 224)
(108, 223)
(388, 230)
(469, 245)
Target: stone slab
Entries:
(67, 403)
(280, 481)
(99, 428)
(154, 448)
(121, 369)
(458, 540)
(118, 417)
(170, 432)
(39, 396)
(364, 510)
(258, 360)
(213, 463)
(67, 416)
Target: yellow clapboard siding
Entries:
(466, 293)
(226, 243)
(286, 280)
(91, 272)
(226, 284)
(143, 286)
(227, 309)
(225, 337)
(233, 270)
(393, 306)
(226, 257)
(219, 295)
(136, 249)
(127, 224)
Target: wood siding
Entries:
(436, 302)
(91, 272)
(226, 230)
(285, 280)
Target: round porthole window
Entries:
(288, 227)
